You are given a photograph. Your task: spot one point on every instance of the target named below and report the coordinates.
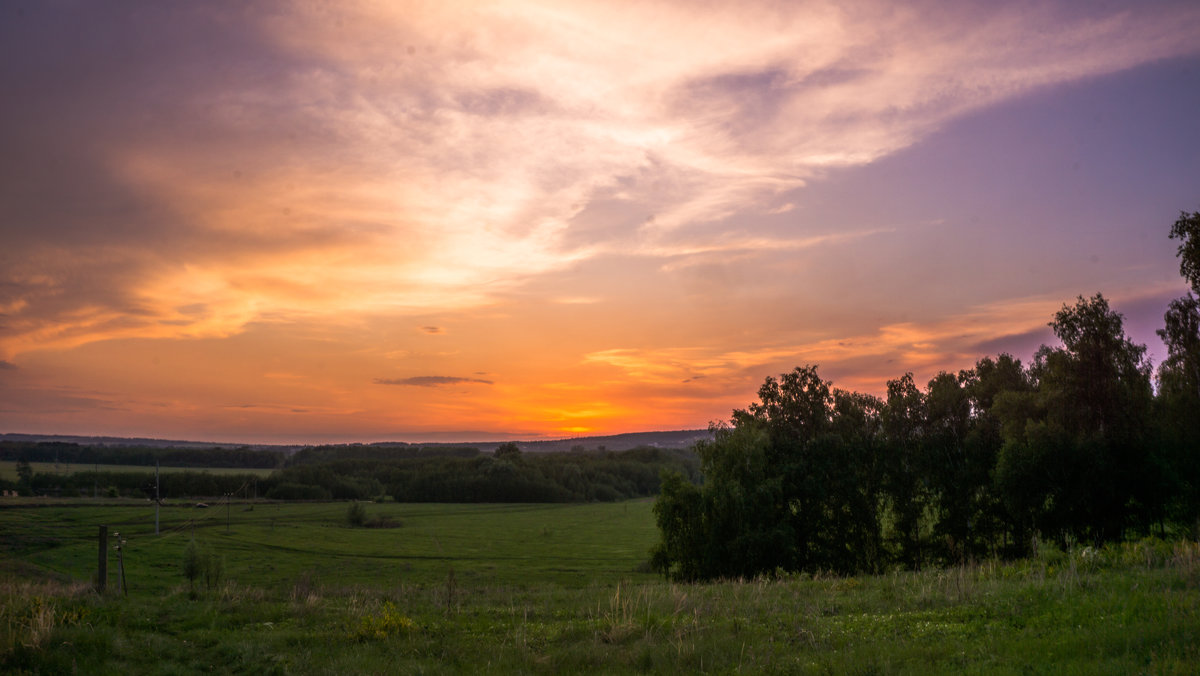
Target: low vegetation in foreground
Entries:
(556, 588)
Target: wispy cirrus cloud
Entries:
(866, 360)
(360, 158)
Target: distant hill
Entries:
(123, 441)
(615, 442)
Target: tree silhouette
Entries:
(1187, 230)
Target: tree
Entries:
(793, 482)
(24, 474)
(1187, 230)
(991, 377)
(356, 515)
(904, 427)
(951, 474)
(193, 564)
(1001, 397)
(796, 407)
(1178, 412)
(1182, 338)
(1079, 459)
(1101, 374)
(682, 553)
(508, 450)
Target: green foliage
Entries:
(509, 477)
(318, 455)
(200, 562)
(793, 483)
(139, 482)
(384, 623)
(1187, 230)
(1178, 404)
(291, 490)
(146, 456)
(508, 450)
(193, 563)
(1085, 448)
(24, 474)
(1179, 374)
(213, 569)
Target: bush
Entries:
(199, 561)
(293, 491)
(192, 564)
(377, 626)
(356, 515)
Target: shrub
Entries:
(356, 515)
(294, 491)
(387, 622)
(199, 561)
(192, 564)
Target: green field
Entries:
(550, 589)
(264, 543)
(8, 469)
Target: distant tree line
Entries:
(401, 473)
(315, 455)
(507, 475)
(1076, 446)
(172, 485)
(67, 453)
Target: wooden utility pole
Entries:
(102, 568)
(156, 498)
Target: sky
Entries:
(314, 222)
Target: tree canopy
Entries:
(1187, 230)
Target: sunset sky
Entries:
(359, 221)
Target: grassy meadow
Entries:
(548, 589)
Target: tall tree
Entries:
(1096, 390)
(1187, 230)
(1178, 413)
(904, 427)
(1102, 375)
(994, 386)
(792, 483)
(1181, 369)
(952, 476)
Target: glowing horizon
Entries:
(396, 221)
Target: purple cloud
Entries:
(430, 381)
